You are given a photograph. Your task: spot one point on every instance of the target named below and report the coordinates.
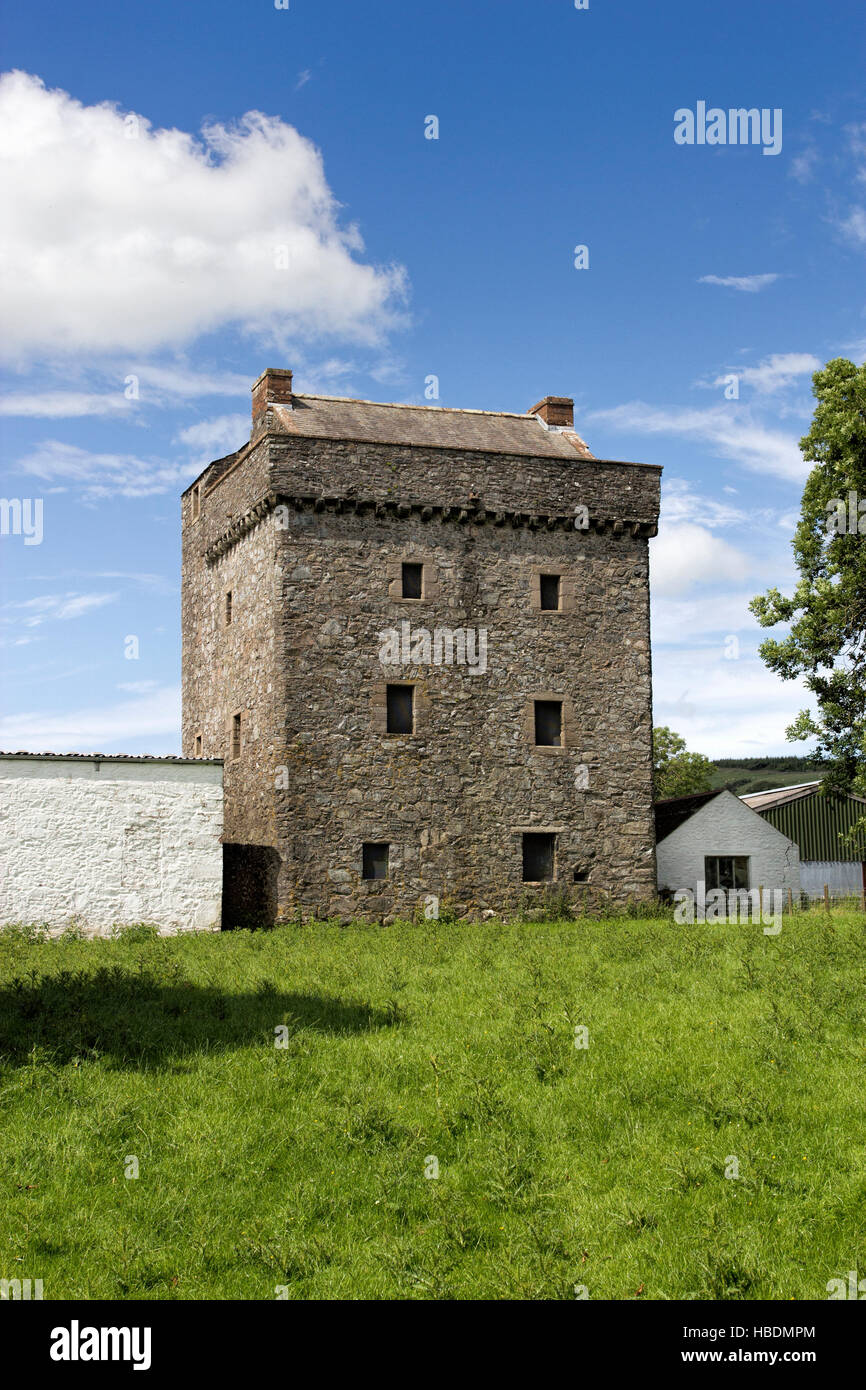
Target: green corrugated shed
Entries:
(815, 823)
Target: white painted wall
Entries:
(726, 826)
(101, 843)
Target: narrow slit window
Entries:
(400, 701)
(375, 860)
(228, 607)
(198, 745)
(236, 736)
(548, 723)
(538, 857)
(412, 580)
(549, 589)
(196, 501)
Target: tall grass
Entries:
(304, 1170)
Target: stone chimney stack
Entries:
(274, 387)
(557, 411)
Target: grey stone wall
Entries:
(315, 590)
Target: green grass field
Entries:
(559, 1166)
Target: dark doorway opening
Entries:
(249, 886)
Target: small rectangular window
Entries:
(548, 723)
(412, 577)
(236, 736)
(196, 501)
(228, 606)
(548, 585)
(400, 709)
(538, 854)
(726, 871)
(375, 860)
(198, 745)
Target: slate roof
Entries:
(671, 811)
(113, 757)
(333, 417)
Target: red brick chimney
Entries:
(555, 410)
(274, 387)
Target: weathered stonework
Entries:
(308, 526)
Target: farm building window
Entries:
(400, 709)
(538, 856)
(549, 591)
(548, 723)
(228, 609)
(374, 860)
(412, 576)
(726, 871)
(236, 735)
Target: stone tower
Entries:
(420, 639)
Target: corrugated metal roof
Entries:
(814, 822)
(774, 796)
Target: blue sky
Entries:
(146, 210)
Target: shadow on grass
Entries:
(134, 1018)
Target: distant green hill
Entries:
(744, 775)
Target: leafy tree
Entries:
(676, 772)
(826, 644)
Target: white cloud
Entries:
(678, 621)
(725, 707)
(170, 381)
(103, 475)
(137, 687)
(156, 384)
(154, 717)
(211, 439)
(776, 372)
(33, 612)
(749, 284)
(803, 165)
(726, 429)
(683, 555)
(57, 405)
(123, 237)
(854, 226)
(681, 502)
